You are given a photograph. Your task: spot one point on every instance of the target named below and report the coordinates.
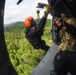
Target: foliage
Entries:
(23, 56)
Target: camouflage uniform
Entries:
(70, 21)
(67, 41)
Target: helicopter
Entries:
(43, 68)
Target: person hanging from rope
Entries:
(34, 31)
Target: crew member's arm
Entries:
(42, 23)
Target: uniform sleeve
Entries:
(41, 25)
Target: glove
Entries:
(47, 9)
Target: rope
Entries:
(38, 16)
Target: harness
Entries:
(70, 5)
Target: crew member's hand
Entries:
(48, 9)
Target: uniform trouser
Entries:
(65, 62)
(43, 46)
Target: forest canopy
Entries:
(22, 55)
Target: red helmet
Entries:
(28, 21)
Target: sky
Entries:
(14, 12)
